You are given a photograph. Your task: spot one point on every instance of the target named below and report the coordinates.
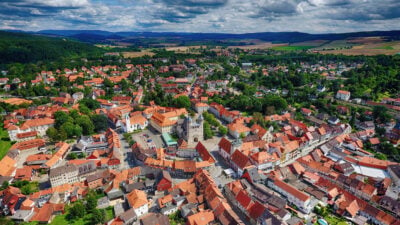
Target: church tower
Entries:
(194, 130)
(128, 123)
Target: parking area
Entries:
(149, 139)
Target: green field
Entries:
(385, 47)
(62, 220)
(291, 48)
(335, 220)
(4, 145)
(338, 44)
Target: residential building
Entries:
(133, 122)
(67, 174)
(343, 95)
(165, 122)
(138, 201)
(293, 195)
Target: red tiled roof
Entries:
(243, 198)
(291, 190)
(35, 143)
(225, 144)
(256, 210)
(240, 159)
(204, 154)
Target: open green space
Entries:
(333, 220)
(291, 48)
(62, 220)
(386, 47)
(4, 143)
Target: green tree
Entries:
(100, 122)
(72, 155)
(222, 130)
(84, 109)
(208, 133)
(380, 131)
(62, 135)
(90, 103)
(91, 202)
(86, 124)
(182, 102)
(5, 185)
(380, 156)
(6, 221)
(52, 133)
(380, 113)
(76, 211)
(71, 129)
(98, 217)
(61, 117)
(30, 188)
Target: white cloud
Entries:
(234, 16)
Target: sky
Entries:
(206, 16)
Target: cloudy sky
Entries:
(232, 16)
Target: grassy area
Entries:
(109, 213)
(385, 47)
(291, 48)
(333, 220)
(30, 223)
(4, 145)
(176, 219)
(62, 220)
(27, 187)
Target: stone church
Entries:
(191, 129)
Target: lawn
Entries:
(62, 220)
(30, 223)
(291, 48)
(4, 145)
(333, 220)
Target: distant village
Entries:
(203, 162)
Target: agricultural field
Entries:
(314, 43)
(291, 48)
(137, 54)
(186, 49)
(335, 45)
(258, 45)
(360, 46)
(385, 48)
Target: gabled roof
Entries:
(201, 218)
(7, 166)
(204, 154)
(291, 190)
(137, 198)
(244, 199)
(225, 144)
(256, 210)
(353, 208)
(240, 159)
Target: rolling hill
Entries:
(26, 48)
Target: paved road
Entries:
(126, 152)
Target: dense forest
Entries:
(26, 48)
